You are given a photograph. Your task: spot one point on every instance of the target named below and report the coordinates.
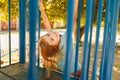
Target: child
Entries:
(52, 47)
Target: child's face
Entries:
(52, 38)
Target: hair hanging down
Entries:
(48, 53)
(46, 49)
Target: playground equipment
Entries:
(33, 70)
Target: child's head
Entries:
(49, 44)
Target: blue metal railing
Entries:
(111, 21)
(22, 15)
(9, 27)
(111, 40)
(90, 39)
(86, 47)
(69, 37)
(77, 37)
(104, 39)
(32, 40)
(100, 2)
(38, 34)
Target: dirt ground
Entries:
(116, 65)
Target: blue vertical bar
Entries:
(107, 16)
(85, 51)
(39, 24)
(77, 37)
(22, 41)
(111, 19)
(99, 18)
(32, 29)
(9, 24)
(114, 19)
(112, 46)
(90, 41)
(69, 37)
(38, 34)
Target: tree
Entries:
(56, 9)
(4, 9)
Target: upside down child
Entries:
(52, 47)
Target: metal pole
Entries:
(99, 16)
(85, 51)
(22, 41)
(69, 38)
(77, 38)
(9, 30)
(32, 40)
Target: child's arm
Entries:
(44, 16)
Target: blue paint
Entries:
(86, 47)
(90, 40)
(38, 34)
(107, 52)
(111, 21)
(99, 19)
(22, 15)
(113, 27)
(77, 38)
(69, 37)
(32, 75)
(107, 16)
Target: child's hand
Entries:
(78, 73)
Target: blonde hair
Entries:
(47, 50)
(48, 53)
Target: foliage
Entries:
(4, 9)
(56, 9)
